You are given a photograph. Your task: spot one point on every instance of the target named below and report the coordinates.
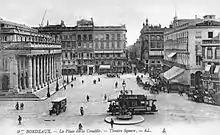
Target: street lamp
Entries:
(48, 88)
(72, 76)
(67, 79)
(57, 86)
(124, 85)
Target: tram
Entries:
(136, 104)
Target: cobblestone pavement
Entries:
(176, 114)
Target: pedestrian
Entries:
(71, 85)
(116, 84)
(87, 98)
(164, 130)
(81, 111)
(82, 81)
(98, 79)
(19, 119)
(105, 97)
(80, 126)
(22, 106)
(112, 123)
(17, 106)
(64, 87)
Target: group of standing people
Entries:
(17, 107)
(21, 106)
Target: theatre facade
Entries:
(29, 60)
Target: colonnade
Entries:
(38, 71)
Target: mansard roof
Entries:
(208, 23)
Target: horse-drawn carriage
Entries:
(58, 105)
(201, 95)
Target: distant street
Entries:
(176, 113)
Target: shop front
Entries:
(177, 79)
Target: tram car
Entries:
(136, 104)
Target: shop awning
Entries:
(173, 72)
(207, 68)
(104, 67)
(172, 54)
(217, 69)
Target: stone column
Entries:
(45, 71)
(30, 74)
(48, 69)
(34, 73)
(53, 68)
(37, 73)
(42, 73)
(13, 74)
(49, 66)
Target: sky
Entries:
(132, 13)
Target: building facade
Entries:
(152, 46)
(211, 62)
(88, 49)
(29, 60)
(183, 51)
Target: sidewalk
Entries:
(39, 95)
(42, 93)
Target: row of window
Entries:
(88, 55)
(115, 63)
(210, 53)
(101, 45)
(176, 36)
(156, 44)
(101, 37)
(85, 37)
(4, 64)
(154, 37)
(25, 38)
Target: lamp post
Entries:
(67, 79)
(48, 88)
(124, 85)
(72, 76)
(57, 85)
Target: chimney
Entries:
(209, 17)
(146, 21)
(196, 17)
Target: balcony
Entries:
(211, 42)
(211, 77)
(156, 53)
(172, 63)
(211, 60)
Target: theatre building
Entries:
(29, 60)
(183, 50)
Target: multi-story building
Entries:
(29, 60)
(152, 46)
(134, 52)
(182, 48)
(87, 48)
(110, 49)
(68, 42)
(211, 62)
